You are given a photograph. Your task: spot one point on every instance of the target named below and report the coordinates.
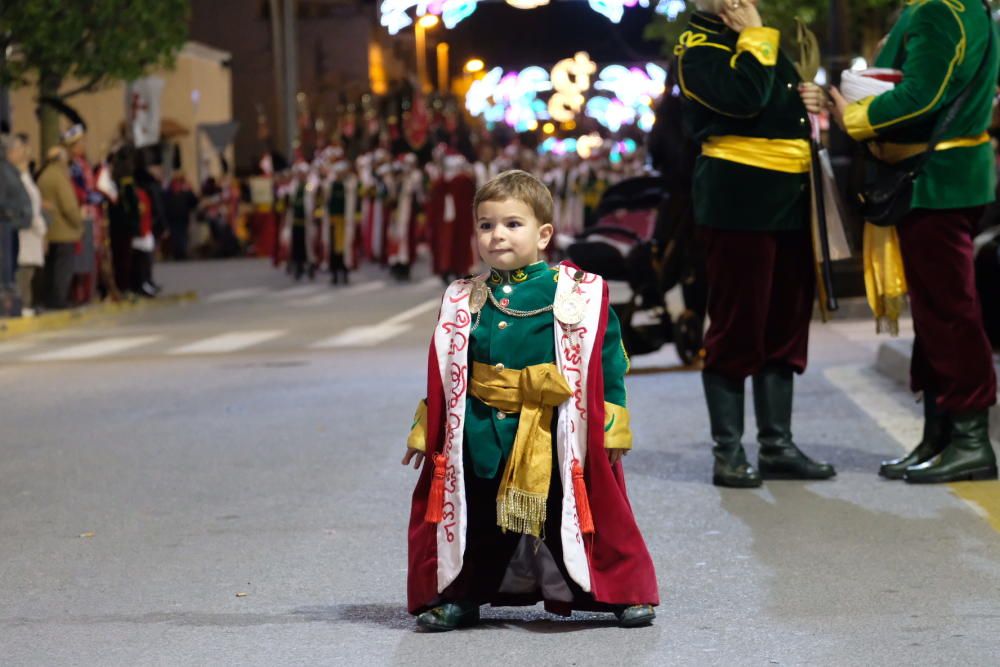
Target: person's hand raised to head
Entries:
(740, 14)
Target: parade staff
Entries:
(747, 107)
(939, 45)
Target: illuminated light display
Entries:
(619, 95)
(585, 146)
(395, 15)
(571, 79)
(527, 4)
(671, 8)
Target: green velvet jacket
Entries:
(522, 342)
(938, 45)
(742, 85)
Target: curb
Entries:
(20, 326)
(893, 361)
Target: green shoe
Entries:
(725, 413)
(636, 616)
(449, 616)
(968, 457)
(936, 431)
(779, 458)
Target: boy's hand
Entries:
(615, 455)
(414, 455)
(813, 97)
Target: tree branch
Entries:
(93, 81)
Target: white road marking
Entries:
(367, 336)
(879, 398)
(335, 293)
(228, 342)
(16, 346)
(362, 336)
(301, 290)
(410, 313)
(236, 294)
(94, 349)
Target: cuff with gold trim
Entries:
(617, 430)
(856, 119)
(762, 43)
(418, 430)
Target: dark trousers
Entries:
(760, 300)
(59, 267)
(489, 550)
(951, 354)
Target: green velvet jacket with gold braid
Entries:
(519, 342)
(938, 45)
(741, 85)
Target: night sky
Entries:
(513, 38)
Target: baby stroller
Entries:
(642, 237)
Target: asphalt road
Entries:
(218, 483)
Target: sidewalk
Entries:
(14, 327)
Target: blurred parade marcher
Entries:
(450, 219)
(752, 199)
(91, 204)
(297, 219)
(179, 203)
(65, 230)
(31, 240)
(385, 188)
(948, 55)
(369, 201)
(143, 246)
(15, 215)
(403, 232)
(341, 208)
(123, 218)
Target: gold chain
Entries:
(517, 313)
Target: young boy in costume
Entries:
(521, 497)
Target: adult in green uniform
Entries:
(748, 108)
(939, 45)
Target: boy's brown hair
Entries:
(521, 186)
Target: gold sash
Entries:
(893, 153)
(791, 156)
(534, 392)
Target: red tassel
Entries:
(582, 503)
(435, 499)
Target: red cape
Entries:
(621, 570)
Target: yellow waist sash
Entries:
(791, 156)
(534, 392)
(893, 153)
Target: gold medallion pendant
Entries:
(478, 296)
(569, 307)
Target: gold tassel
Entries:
(521, 512)
(885, 279)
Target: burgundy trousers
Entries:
(760, 299)
(951, 354)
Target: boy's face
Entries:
(509, 235)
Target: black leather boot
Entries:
(725, 413)
(779, 458)
(936, 431)
(968, 457)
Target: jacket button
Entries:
(502, 325)
(501, 415)
(802, 121)
(507, 289)
(789, 86)
(498, 367)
